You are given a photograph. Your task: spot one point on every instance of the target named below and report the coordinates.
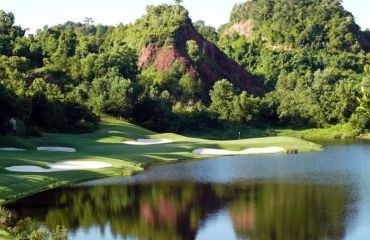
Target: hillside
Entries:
(166, 35)
(311, 56)
(276, 63)
(296, 24)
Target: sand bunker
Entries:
(62, 166)
(12, 149)
(57, 149)
(149, 141)
(248, 151)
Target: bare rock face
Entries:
(243, 28)
(217, 66)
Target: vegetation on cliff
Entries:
(285, 63)
(311, 55)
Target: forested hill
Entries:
(310, 54)
(156, 72)
(166, 36)
(292, 24)
(284, 63)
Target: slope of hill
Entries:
(311, 24)
(311, 56)
(165, 35)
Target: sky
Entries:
(34, 14)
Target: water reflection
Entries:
(185, 210)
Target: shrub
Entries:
(7, 218)
(28, 229)
(34, 131)
(360, 122)
(292, 151)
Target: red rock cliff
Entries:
(222, 67)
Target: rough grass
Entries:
(106, 145)
(340, 131)
(5, 236)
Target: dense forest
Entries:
(283, 63)
(311, 56)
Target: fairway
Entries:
(106, 145)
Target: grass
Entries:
(106, 145)
(339, 131)
(5, 236)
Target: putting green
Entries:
(106, 145)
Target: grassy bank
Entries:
(340, 131)
(106, 145)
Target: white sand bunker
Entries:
(149, 141)
(62, 166)
(12, 149)
(57, 149)
(248, 151)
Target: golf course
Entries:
(106, 146)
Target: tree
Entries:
(191, 87)
(193, 50)
(222, 97)
(112, 95)
(7, 104)
(245, 108)
(364, 102)
(179, 1)
(208, 32)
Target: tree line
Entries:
(64, 77)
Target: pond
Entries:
(324, 195)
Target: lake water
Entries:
(324, 195)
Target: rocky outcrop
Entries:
(214, 67)
(243, 28)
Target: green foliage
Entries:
(300, 24)
(30, 229)
(121, 58)
(307, 55)
(232, 108)
(7, 104)
(152, 82)
(364, 102)
(154, 112)
(193, 50)
(7, 218)
(309, 61)
(157, 27)
(8, 32)
(208, 32)
(191, 87)
(25, 229)
(222, 96)
(112, 95)
(245, 108)
(60, 233)
(361, 118)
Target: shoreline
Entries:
(143, 169)
(106, 146)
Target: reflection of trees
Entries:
(158, 211)
(291, 212)
(175, 210)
